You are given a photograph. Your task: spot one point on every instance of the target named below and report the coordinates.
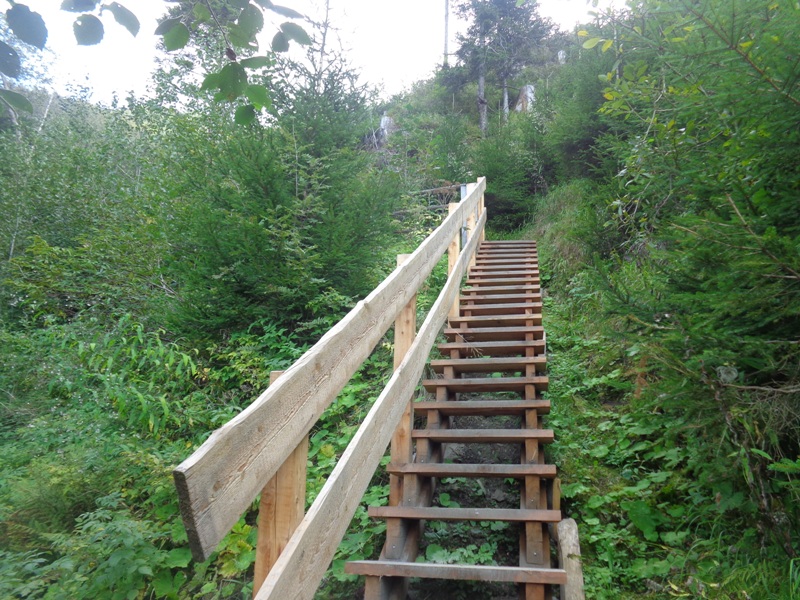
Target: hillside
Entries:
(159, 260)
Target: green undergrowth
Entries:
(93, 424)
(658, 487)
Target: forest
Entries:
(159, 257)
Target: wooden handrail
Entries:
(219, 481)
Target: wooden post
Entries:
(453, 250)
(405, 330)
(471, 220)
(481, 209)
(282, 506)
(569, 559)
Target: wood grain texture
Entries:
(303, 563)
(455, 572)
(569, 558)
(218, 482)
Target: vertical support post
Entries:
(405, 330)
(464, 194)
(471, 223)
(453, 250)
(569, 559)
(281, 508)
(481, 210)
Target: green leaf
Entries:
(16, 101)
(9, 61)
(27, 25)
(201, 12)
(643, 517)
(211, 82)
(296, 33)
(178, 557)
(176, 38)
(251, 20)
(88, 30)
(258, 95)
(166, 25)
(592, 42)
(606, 45)
(255, 62)
(240, 38)
(285, 12)
(79, 5)
(232, 81)
(280, 43)
(124, 17)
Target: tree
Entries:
(500, 40)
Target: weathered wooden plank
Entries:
(484, 436)
(509, 308)
(490, 365)
(281, 508)
(455, 572)
(488, 334)
(218, 482)
(472, 470)
(303, 563)
(487, 384)
(453, 250)
(476, 298)
(477, 272)
(488, 260)
(517, 288)
(489, 348)
(405, 330)
(483, 407)
(497, 320)
(569, 557)
(438, 513)
(482, 283)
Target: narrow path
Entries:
(494, 370)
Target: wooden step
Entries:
(492, 259)
(438, 513)
(503, 281)
(494, 334)
(504, 243)
(473, 470)
(483, 290)
(483, 385)
(503, 270)
(503, 309)
(490, 365)
(483, 436)
(391, 568)
(498, 251)
(476, 298)
(496, 320)
(489, 348)
(483, 408)
(513, 264)
(526, 250)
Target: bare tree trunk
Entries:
(446, 29)
(505, 100)
(320, 68)
(482, 106)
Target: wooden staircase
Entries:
(495, 367)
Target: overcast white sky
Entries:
(392, 42)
